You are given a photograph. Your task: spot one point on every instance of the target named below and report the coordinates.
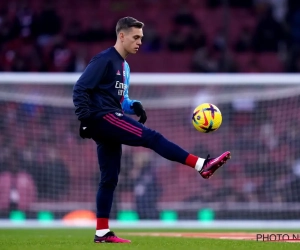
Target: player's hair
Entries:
(126, 23)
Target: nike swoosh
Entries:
(206, 121)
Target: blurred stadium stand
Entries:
(62, 36)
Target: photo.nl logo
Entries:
(278, 237)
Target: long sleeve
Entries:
(127, 102)
(90, 78)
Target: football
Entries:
(207, 118)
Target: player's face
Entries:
(132, 40)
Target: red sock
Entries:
(102, 223)
(191, 160)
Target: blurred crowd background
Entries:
(42, 157)
(44, 160)
(192, 35)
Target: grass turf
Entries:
(73, 239)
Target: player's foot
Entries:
(210, 165)
(110, 237)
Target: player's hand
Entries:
(84, 129)
(140, 112)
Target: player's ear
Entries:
(121, 36)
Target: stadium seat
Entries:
(270, 62)
(27, 190)
(5, 184)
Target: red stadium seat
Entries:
(27, 190)
(5, 184)
(270, 62)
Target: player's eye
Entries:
(137, 37)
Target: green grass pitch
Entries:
(82, 239)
